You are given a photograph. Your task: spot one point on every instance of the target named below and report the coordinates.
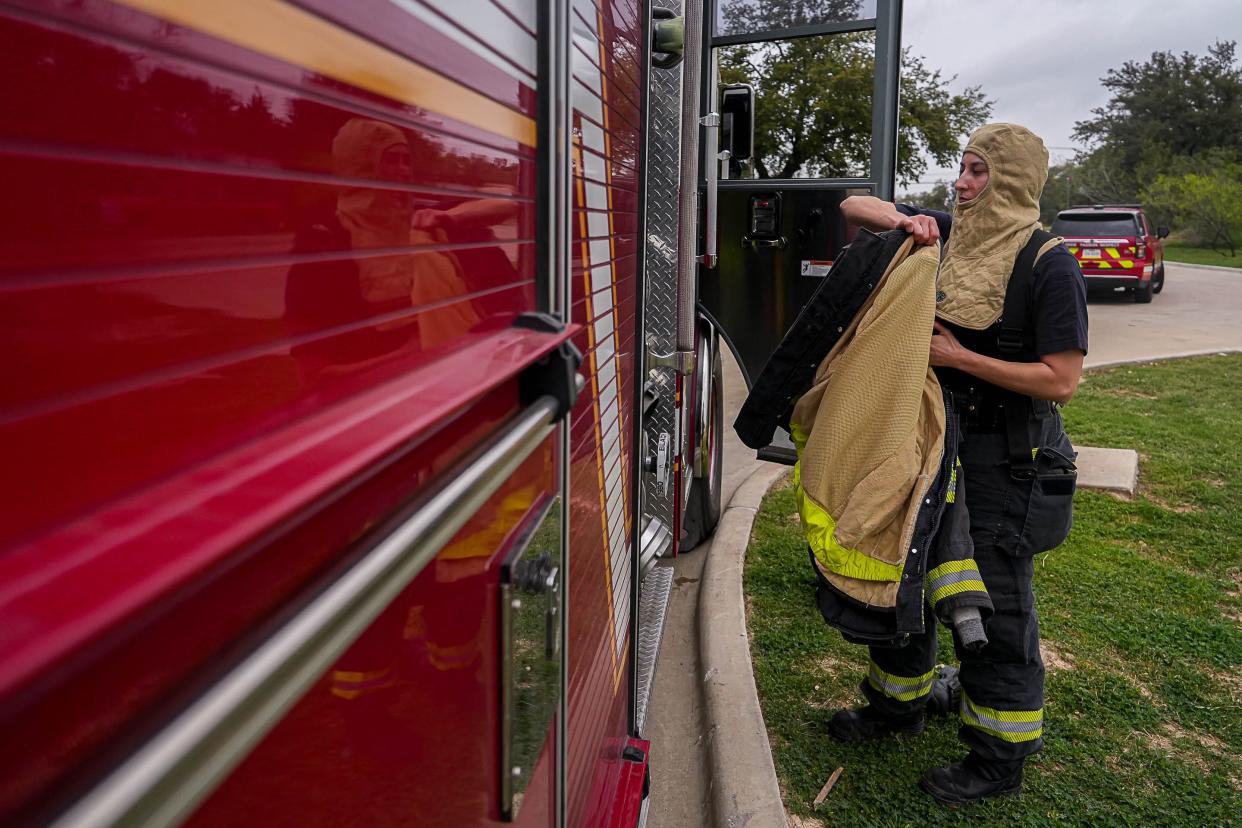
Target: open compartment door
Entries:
(820, 125)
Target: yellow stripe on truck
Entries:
(285, 32)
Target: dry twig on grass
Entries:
(832, 780)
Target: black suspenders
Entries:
(1017, 339)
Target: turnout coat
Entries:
(877, 481)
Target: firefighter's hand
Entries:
(432, 220)
(946, 351)
(923, 228)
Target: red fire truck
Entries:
(361, 362)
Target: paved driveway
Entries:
(1199, 310)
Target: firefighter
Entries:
(1009, 346)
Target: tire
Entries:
(703, 507)
(1157, 280)
(1143, 293)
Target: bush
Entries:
(1207, 199)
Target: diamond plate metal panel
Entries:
(652, 606)
(660, 234)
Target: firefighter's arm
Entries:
(1055, 377)
(879, 215)
(476, 212)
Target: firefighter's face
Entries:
(396, 163)
(972, 177)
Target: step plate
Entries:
(652, 607)
(655, 542)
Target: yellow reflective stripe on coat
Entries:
(951, 497)
(952, 578)
(901, 688)
(1008, 725)
(820, 530)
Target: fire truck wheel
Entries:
(1143, 293)
(1157, 280)
(703, 509)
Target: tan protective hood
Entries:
(990, 229)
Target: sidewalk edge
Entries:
(1222, 268)
(744, 789)
(1143, 360)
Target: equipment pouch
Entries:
(1057, 475)
(1039, 511)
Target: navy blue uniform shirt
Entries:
(1057, 306)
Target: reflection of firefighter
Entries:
(380, 220)
(388, 274)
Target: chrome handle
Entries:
(711, 137)
(779, 243)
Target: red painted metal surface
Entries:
(225, 371)
(250, 313)
(190, 237)
(606, 186)
(405, 727)
(627, 804)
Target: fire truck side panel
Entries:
(227, 382)
(603, 290)
(404, 729)
(174, 250)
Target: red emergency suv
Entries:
(1116, 247)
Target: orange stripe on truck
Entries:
(285, 32)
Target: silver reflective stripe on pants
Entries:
(902, 688)
(1009, 725)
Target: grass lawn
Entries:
(1201, 255)
(1141, 614)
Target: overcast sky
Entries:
(1041, 61)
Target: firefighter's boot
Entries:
(972, 780)
(863, 723)
(946, 693)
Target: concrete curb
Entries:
(744, 788)
(1143, 360)
(1221, 268)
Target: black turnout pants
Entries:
(1003, 685)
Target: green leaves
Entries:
(1207, 198)
(813, 107)
(1170, 134)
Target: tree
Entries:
(1092, 178)
(813, 109)
(813, 112)
(1207, 199)
(939, 197)
(748, 16)
(932, 120)
(1167, 107)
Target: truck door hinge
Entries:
(680, 361)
